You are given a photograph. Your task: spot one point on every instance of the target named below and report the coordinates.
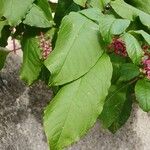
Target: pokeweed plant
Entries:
(94, 54)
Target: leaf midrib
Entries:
(65, 120)
(71, 45)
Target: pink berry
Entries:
(45, 45)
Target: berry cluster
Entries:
(118, 47)
(146, 66)
(146, 61)
(145, 47)
(45, 45)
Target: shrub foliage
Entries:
(96, 53)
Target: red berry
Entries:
(146, 66)
(118, 46)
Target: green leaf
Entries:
(92, 13)
(133, 47)
(119, 26)
(140, 4)
(96, 4)
(111, 26)
(44, 5)
(117, 108)
(2, 24)
(4, 34)
(32, 63)
(3, 54)
(128, 71)
(77, 105)
(129, 12)
(80, 2)
(15, 10)
(64, 8)
(142, 92)
(77, 49)
(41, 21)
(113, 105)
(99, 3)
(124, 113)
(123, 9)
(117, 61)
(1, 7)
(145, 35)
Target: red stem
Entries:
(14, 46)
(14, 50)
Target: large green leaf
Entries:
(15, 10)
(111, 26)
(141, 4)
(32, 63)
(129, 12)
(77, 105)
(1, 7)
(80, 2)
(3, 55)
(77, 49)
(142, 92)
(117, 107)
(133, 47)
(41, 21)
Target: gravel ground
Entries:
(21, 110)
